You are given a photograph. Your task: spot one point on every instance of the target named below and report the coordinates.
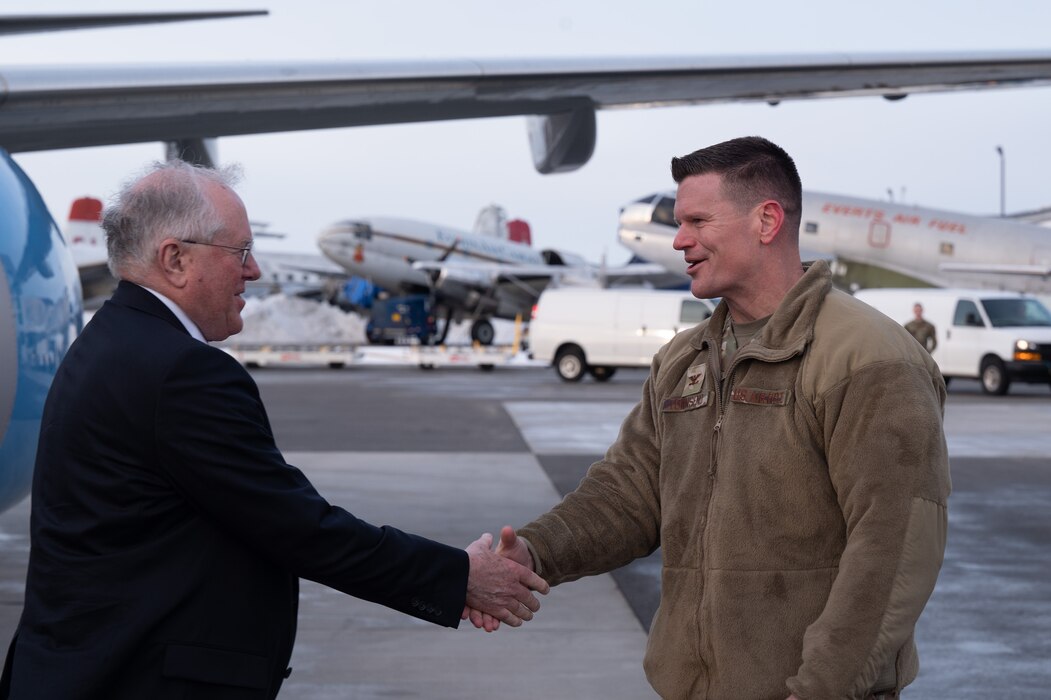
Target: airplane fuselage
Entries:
(41, 314)
(873, 243)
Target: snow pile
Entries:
(280, 319)
(283, 320)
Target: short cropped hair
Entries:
(753, 169)
(167, 200)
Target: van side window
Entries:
(693, 312)
(967, 314)
(1016, 312)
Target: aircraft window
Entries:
(967, 314)
(946, 249)
(664, 212)
(363, 231)
(1016, 312)
(693, 312)
(811, 227)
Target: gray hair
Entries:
(167, 200)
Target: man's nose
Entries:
(681, 240)
(250, 269)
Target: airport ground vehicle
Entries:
(594, 331)
(996, 337)
(400, 320)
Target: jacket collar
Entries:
(790, 327)
(132, 296)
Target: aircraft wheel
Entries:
(994, 376)
(602, 374)
(570, 364)
(482, 332)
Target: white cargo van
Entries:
(595, 331)
(996, 337)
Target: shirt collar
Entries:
(190, 326)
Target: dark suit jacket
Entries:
(168, 533)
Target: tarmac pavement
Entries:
(451, 453)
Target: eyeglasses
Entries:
(243, 251)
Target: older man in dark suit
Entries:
(168, 533)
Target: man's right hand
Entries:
(501, 586)
(513, 548)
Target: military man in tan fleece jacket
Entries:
(787, 456)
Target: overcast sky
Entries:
(930, 150)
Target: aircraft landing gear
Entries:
(440, 338)
(482, 332)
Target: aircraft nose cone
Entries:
(332, 240)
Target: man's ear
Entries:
(771, 218)
(173, 262)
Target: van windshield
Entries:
(1004, 313)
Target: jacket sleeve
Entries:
(613, 516)
(215, 446)
(888, 464)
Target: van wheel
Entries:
(570, 364)
(994, 376)
(602, 374)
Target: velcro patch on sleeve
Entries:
(761, 397)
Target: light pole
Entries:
(1003, 171)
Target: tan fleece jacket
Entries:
(799, 497)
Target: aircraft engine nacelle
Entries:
(463, 286)
(457, 277)
(480, 304)
(564, 141)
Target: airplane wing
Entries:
(319, 270)
(299, 262)
(49, 107)
(482, 274)
(643, 273)
(29, 24)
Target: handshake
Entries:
(501, 583)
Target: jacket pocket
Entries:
(216, 666)
(755, 622)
